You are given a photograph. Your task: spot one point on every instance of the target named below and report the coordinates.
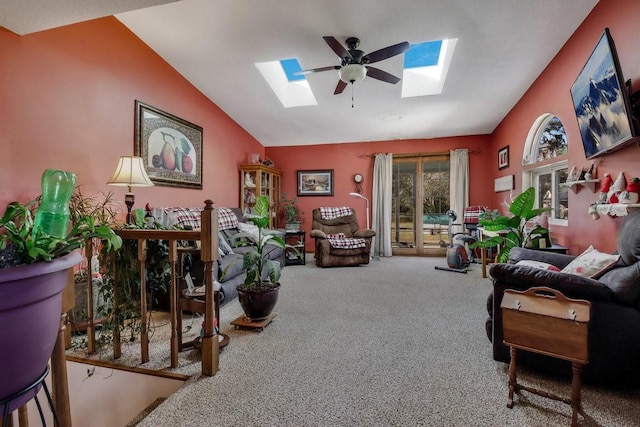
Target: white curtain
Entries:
(382, 180)
(459, 182)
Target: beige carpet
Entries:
(394, 343)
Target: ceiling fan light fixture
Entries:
(352, 73)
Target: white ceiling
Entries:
(503, 45)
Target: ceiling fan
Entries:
(355, 62)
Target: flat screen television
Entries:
(601, 101)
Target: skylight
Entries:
(426, 66)
(292, 90)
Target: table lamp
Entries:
(360, 196)
(130, 172)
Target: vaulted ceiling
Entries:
(502, 47)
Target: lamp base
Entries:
(129, 200)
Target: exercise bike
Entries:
(459, 255)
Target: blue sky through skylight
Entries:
(291, 66)
(424, 72)
(423, 54)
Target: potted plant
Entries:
(33, 273)
(519, 234)
(102, 208)
(291, 213)
(259, 292)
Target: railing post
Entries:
(209, 254)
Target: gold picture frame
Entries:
(170, 147)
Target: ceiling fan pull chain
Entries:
(351, 94)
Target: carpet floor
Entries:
(394, 343)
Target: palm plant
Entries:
(518, 234)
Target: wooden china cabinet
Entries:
(258, 180)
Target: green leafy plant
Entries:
(21, 244)
(291, 212)
(518, 234)
(257, 259)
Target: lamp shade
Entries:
(130, 172)
(352, 73)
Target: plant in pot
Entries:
(33, 272)
(291, 213)
(518, 233)
(259, 292)
(103, 209)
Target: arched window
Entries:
(547, 140)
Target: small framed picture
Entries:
(503, 157)
(315, 182)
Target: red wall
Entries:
(550, 94)
(348, 159)
(68, 103)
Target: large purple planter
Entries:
(30, 307)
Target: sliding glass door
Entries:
(420, 202)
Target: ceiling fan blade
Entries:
(388, 52)
(337, 47)
(340, 87)
(378, 74)
(316, 70)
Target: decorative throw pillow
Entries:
(250, 229)
(538, 264)
(591, 263)
(223, 245)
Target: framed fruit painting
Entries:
(170, 146)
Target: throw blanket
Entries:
(180, 217)
(333, 213)
(170, 217)
(226, 219)
(340, 241)
(472, 213)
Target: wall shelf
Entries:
(588, 183)
(616, 209)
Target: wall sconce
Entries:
(130, 172)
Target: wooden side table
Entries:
(294, 255)
(542, 320)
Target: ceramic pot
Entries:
(258, 305)
(30, 308)
(292, 226)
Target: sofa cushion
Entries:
(538, 264)
(571, 285)
(624, 281)
(559, 260)
(224, 245)
(230, 267)
(629, 239)
(591, 263)
(250, 229)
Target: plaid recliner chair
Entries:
(338, 240)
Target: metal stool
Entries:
(5, 402)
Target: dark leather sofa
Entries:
(614, 330)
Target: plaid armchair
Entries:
(338, 240)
